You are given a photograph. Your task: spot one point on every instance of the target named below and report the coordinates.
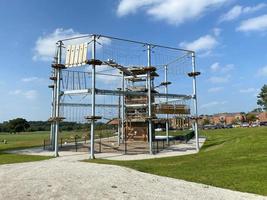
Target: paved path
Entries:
(68, 178)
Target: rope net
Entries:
(172, 66)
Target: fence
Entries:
(106, 142)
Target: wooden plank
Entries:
(76, 55)
(72, 54)
(80, 59)
(67, 59)
(85, 49)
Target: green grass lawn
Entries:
(34, 139)
(230, 158)
(174, 132)
(7, 158)
(20, 141)
(25, 140)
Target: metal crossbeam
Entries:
(89, 105)
(128, 93)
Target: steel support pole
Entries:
(149, 99)
(122, 108)
(119, 119)
(92, 142)
(53, 104)
(58, 72)
(166, 92)
(52, 127)
(195, 102)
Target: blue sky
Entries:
(229, 37)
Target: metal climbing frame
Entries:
(143, 78)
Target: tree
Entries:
(257, 110)
(222, 120)
(251, 117)
(236, 121)
(206, 121)
(18, 125)
(262, 98)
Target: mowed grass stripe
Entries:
(35, 139)
(25, 140)
(230, 158)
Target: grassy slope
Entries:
(231, 158)
(31, 139)
(23, 140)
(174, 132)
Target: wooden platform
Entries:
(171, 109)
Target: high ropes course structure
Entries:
(131, 84)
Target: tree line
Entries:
(22, 125)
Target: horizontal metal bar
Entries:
(126, 40)
(135, 105)
(89, 105)
(145, 43)
(76, 92)
(173, 96)
(136, 76)
(133, 93)
(106, 74)
(77, 37)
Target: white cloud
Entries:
(219, 79)
(227, 68)
(204, 43)
(251, 9)
(212, 104)
(172, 11)
(232, 14)
(205, 54)
(248, 90)
(15, 92)
(29, 94)
(126, 7)
(31, 79)
(262, 71)
(216, 67)
(253, 24)
(109, 79)
(45, 46)
(104, 78)
(217, 31)
(238, 10)
(215, 89)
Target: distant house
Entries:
(114, 122)
(205, 119)
(226, 118)
(262, 117)
(179, 122)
